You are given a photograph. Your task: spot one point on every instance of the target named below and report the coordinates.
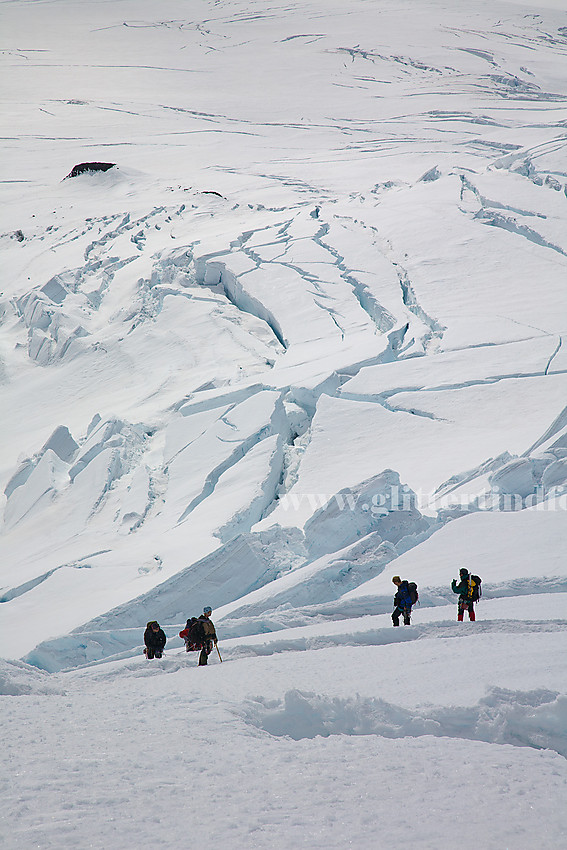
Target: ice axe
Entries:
(218, 650)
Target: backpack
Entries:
(191, 635)
(475, 589)
(412, 590)
(196, 633)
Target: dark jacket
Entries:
(462, 587)
(154, 640)
(402, 599)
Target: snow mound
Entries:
(17, 679)
(535, 718)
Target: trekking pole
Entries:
(218, 650)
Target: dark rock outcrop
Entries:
(89, 166)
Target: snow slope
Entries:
(306, 333)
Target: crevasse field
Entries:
(305, 334)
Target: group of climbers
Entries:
(199, 634)
(468, 588)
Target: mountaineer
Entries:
(155, 640)
(202, 635)
(406, 596)
(469, 590)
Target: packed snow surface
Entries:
(283, 314)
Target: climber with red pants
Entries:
(469, 592)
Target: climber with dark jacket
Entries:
(155, 640)
(402, 602)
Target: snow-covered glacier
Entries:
(303, 331)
